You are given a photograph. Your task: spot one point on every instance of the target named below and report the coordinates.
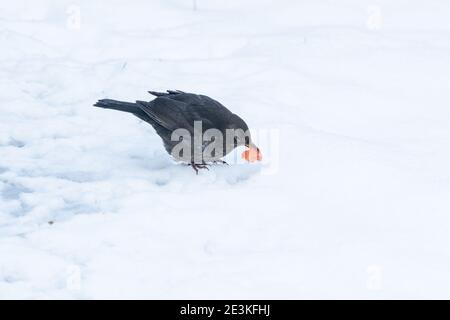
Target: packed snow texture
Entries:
(352, 201)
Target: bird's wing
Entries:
(165, 112)
(177, 109)
(200, 107)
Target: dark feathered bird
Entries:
(181, 118)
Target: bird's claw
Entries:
(197, 166)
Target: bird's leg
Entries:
(194, 167)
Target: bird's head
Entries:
(242, 137)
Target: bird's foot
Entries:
(197, 166)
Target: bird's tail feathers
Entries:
(118, 105)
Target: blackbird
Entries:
(194, 128)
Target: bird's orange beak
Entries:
(253, 154)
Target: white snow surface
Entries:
(356, 206)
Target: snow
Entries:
(352, 200)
